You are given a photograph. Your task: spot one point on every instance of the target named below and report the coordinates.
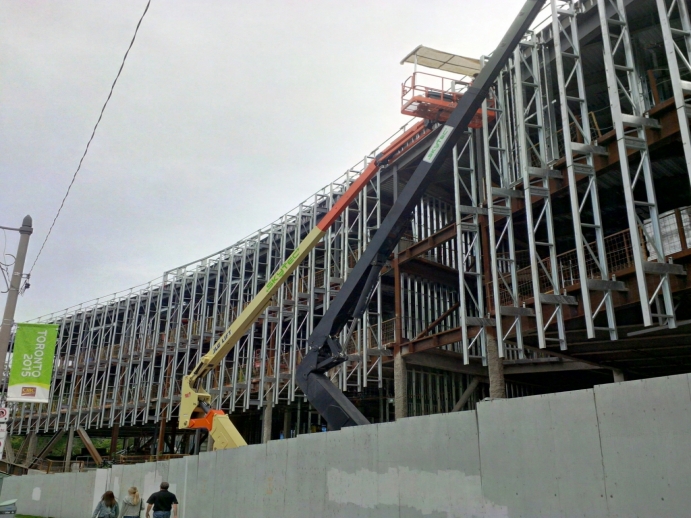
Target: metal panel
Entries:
(645, 429)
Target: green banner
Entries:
(32, 363)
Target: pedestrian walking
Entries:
(107, 507)
(132, 504)
(163, 502)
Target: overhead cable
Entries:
(86, 150)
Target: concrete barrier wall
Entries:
(618, 450)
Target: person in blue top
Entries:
(107, 507)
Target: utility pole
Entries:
(15, 282)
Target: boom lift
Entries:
(195, 404)
(324, 350)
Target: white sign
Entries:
(3, 436)
(4, 416)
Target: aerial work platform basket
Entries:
(434, 97)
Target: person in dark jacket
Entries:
(163, 503)
(107, 507)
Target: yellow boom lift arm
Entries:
(195, 404)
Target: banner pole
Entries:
(15, 282)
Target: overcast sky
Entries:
(226, 116)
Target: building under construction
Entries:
(557, 234)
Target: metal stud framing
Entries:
(628, 116)
(120, 360)
(469, 248)
(579, 151)
(678, 53)
(537, 183)
(498, 170)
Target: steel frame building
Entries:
(560, 229)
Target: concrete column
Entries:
(400, 386)
(68, 449)
(197, 439)
(495, 366)
(286, 423)
(31, 448)
(266, 420)
(161, 437)
(114, 440)
(618, 375)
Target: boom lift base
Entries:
(327, 398)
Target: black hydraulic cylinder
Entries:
(324, 352)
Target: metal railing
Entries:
(676, 233)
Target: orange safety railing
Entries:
(435, 97)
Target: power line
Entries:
(86, 150)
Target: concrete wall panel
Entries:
(162, 468)
(389, 458)
(149, 481)
(69, 483)
(52, 496)
(451, 483)
(187, 493)
(306, 474)
(177, 479)
(540, 455)
(100, 485)
(618, 451)
(275, 477)
(645, 430)
(255, 485)
(23, 491)
(204, 496)
(226, 491)
(352, 482)
(115, 482)
(85, 492)
(133, 475)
